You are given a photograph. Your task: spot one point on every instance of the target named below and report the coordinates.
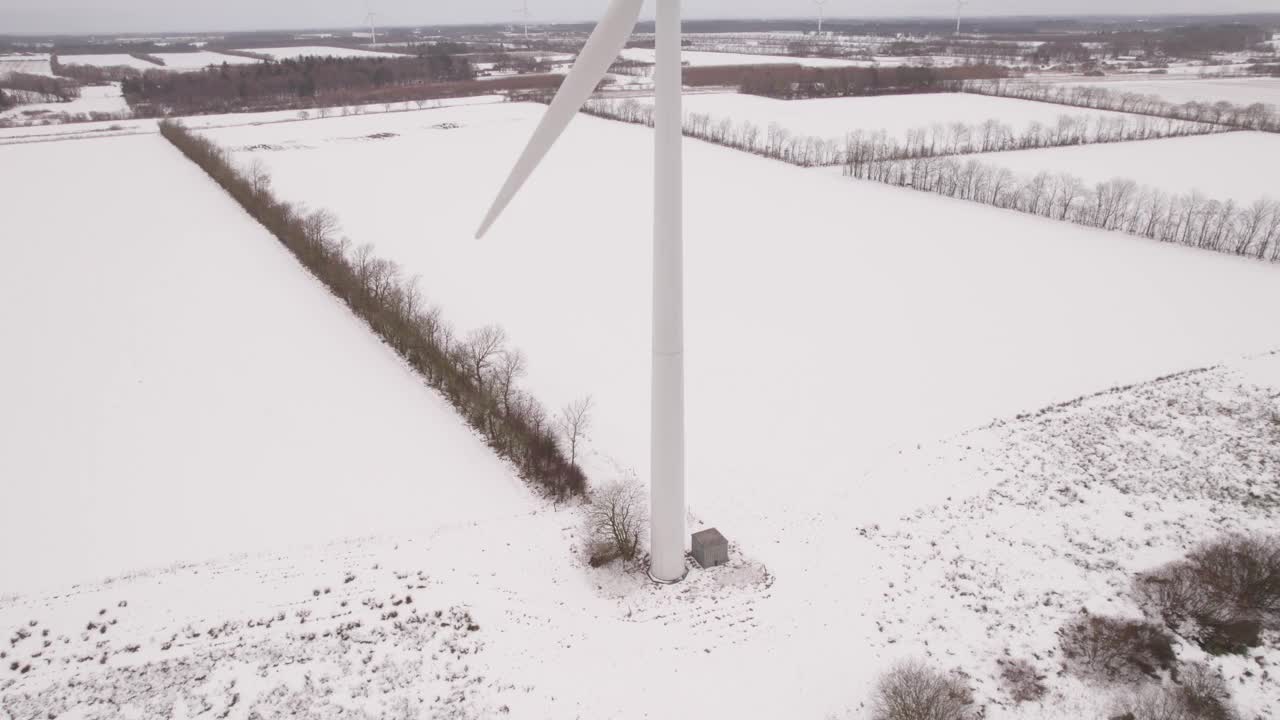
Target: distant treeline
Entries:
(476, 374)
(315, 82)
(52, 87)
(90, 74)
(1119, 204)
(240, 87)
(935, 140)
(794, 81)
(1257, 116)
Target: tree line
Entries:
(90, 74)
(243, 87)
(61, 89)
(1257, 116)
(477, 374)
(1190, 219)
(778, 143)
(794, 81)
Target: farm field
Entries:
(109, 128)
(109, 60)
(1238, 91)
(289, 53)
(1222, 167)
(200, 407)
(202, 59)
(551, 323)
(833, 118)
(863, 367)
(853, 316)
(93, 99)
(31, 64)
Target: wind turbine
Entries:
(822, 5)
(524, 13)
(370, 17)
(959, 11)
(666, 439)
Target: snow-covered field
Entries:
(93, 99)
(1238, 91)
(834, 118)
(849, 346)
(111, 60)
(202, 59)
(86, 130)
(177, 388)
(833, 327)
(699, 58)
(1228, 166)
(33, 64)
(287, 53)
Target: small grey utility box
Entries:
(710, 548)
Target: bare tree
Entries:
(510, 368)
(481, 349)
(258, 177)
(616, 519)
(573, 422)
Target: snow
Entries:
(287, 53)
(93, 99)
(111, 60)
(1238, 91)
(184, 390)
(31, 64)
(1222, 167)
(833, 328)
(699, 59)
(202, 59)
(88, 130)
(834, 118)
(850, 345)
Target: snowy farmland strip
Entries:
(477, 376)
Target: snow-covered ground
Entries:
(849, 345)
(31, 64)
(1228, 166)
(834, 118)
(698, 58)
(86, 130)
(93, 99)
(286, 53)
(202, 59)
(1238, 91)
(176, 387)
(111, 60)
(833, 328)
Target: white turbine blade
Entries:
(593, 62)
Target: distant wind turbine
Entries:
(370, 17)
(524, 14)
(822, 6)
(666, 439)
(959, 13)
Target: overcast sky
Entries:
(87, 16)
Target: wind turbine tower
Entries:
(370, 18)
(959, 13)
(666, 434)
(524, 14)
(822, 7)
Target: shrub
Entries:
(1115, 650)
(1202, 695)
(616, 519)
(913, 691)
(1021, 681)
(1222, 595)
